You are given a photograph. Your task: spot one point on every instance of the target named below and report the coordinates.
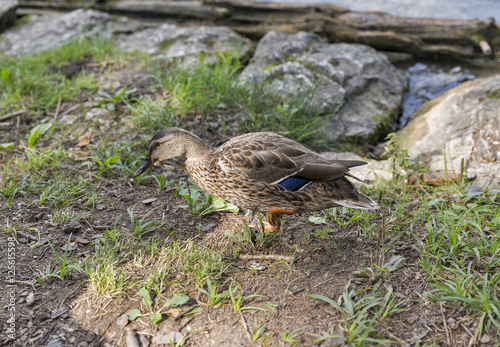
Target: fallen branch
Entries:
(266, 257)
(28, 236)
(13, 114)
(182, 314)
(245, 327)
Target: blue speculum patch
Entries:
(294, 183)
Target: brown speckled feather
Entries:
(269, 157)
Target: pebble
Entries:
(56, 343)
(89, 337)
(30, 299)
(122, 320)
(72, 227)
(485, 338)
(412, 319)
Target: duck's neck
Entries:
(197, 150)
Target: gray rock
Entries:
(72, 227)
(7, 13)
(354, 79)
(170, 41)
(100, 116)
(426, 83)
(452, 123)
(50, 31)
(56, 343)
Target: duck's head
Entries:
(166, 144)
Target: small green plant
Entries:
(250, 235)
(201, 203)
(162, 181)
(258, 332)
(63, 267)
(105, 165)
(37, 132)
(294, 335)
(361, 316)
(9, 190)
(239, 300)
(399, 158)
(214, 299)
(141, 227)
(155, 315)
(109, 102)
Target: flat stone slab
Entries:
(186, 44)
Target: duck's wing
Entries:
(271, 158)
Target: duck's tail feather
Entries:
(351, 163)
(346, 194)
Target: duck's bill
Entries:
(144, 167)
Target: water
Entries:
(453, 9)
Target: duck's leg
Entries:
(275, 214)
(255, 223)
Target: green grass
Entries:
(216, 89)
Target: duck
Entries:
(261, 172)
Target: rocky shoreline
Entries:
(358, 88)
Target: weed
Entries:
(293, 336)
(239, 300)
(37, 132)
(106, 164)
(9, 190)
(162, 181)
(141, 227)
(63, 267)
(360, 316)
(258, 332)
(109, 102)
(202, 203)
(214, 299)
(155, 315)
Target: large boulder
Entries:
(353, 81)
(448, 130)
(50, 31)
(185, 44)
(7, 13)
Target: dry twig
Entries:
(267, 256)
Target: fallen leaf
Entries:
(394, 263)
(148, 201)
(174, 312)
(81, 240)
(84, 140)
(77, 154)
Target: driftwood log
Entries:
(429, 37)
